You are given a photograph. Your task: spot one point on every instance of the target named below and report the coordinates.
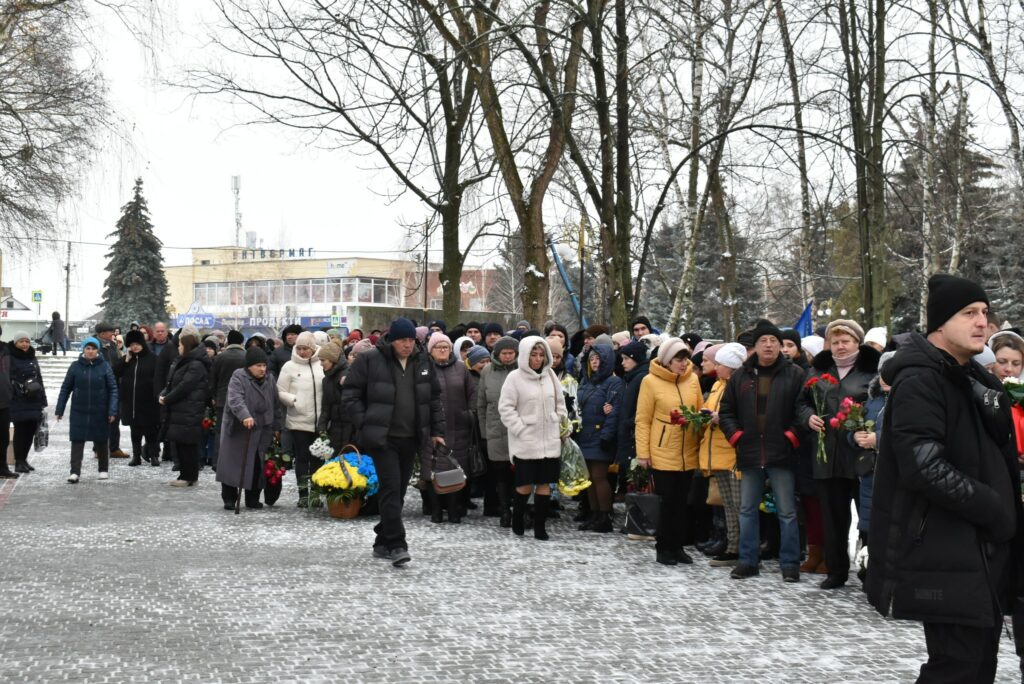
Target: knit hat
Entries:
(321, 338)
(596, 329)
(189, 331)
(710, 352)
(851, 328)
(104, 326)
(947, 294)
(134, 337)
(355, 336)
(621, 338)
(91, 341)
(691, 340)
(306, 339)
(652, 340)
(555, 345)
(330, 352)
(669, 349)
(986, 357)
(792, 335)
(210, 342)
(440, 324)
(436, 339)
(746, 338)
(401, 329)
(634, 350)
(813, 344)
(473, 325)
(362, 346)
(20, 335)
(235, 337)
(523, 324)
(884, 358)
(879, 336)
(701, 346)
(641, 319)
(493, 328)
(505, 342)
(422, 333)
(731, 355)
(766, 327)
(476, 355)
(255, 355)
(603, 340)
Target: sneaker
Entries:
(103, 476)
(399, 557)
(381, 553)
(725, 560)
(72, 479)
(791, 574)
(744, 571)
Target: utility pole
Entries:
(426, 268)
(67, 291)
(236, 188)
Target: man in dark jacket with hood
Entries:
(635, 364)
(758, 415)
(394, 400)
(283, 354)
(945, 535)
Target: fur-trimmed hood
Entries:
(867, 360)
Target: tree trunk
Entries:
(451, 264)
(623, 184)
(929, 228)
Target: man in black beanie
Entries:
(492, 333)
(945, 521)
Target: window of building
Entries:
(267, 293)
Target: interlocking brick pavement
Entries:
(130, 580)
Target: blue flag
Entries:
(805, 326)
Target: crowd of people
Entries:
(758, 447)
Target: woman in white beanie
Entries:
(669, 449)
(717, 456)
(300, 389)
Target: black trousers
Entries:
(959, 654)
(24, 432)
(836, 494)
(188, 461)
(673, 487)
(115, 435)
(394, 468)
(305, 463)
(5, 437)
(149, 433)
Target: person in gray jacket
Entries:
(251, 417)
(56, 333)
(492, 377)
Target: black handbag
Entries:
(477, 461)
(643, 514)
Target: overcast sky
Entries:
(186, 152)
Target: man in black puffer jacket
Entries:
(394, 400)
(758, 415)
(945, 535)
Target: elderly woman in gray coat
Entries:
(251, 417)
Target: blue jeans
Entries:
(783, 482)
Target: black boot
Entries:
(518, 511)
(602, 523)
(589, 523)
(6, 473)
(155, 461)
(136, 459)
(436, 515)
(425, 498)
(540, 515)
(454, 508)
(21, 467)
(503, 504)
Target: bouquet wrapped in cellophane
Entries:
(573, 477)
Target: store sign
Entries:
(266, 254)
(195, 316)
(278, 322)
(339, 269)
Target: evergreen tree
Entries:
(136, 287)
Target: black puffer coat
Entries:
(369, 397)
(25, 367)
(334, 420)
(946, 528)
(224, 366)
(627, 421)
(6, 391)
(842, 453)
(186, 397)
(135, 390)
(738, 412)
(164, 361)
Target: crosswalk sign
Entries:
(37, 296)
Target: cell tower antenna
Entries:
(236, 188)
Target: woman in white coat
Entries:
(533, 409)
(300, 389)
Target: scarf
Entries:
(844, 366)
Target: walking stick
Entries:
(241, 476)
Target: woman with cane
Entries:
(251, 419)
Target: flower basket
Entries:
(339, 508)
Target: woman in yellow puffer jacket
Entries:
(671, 451)
(717, 456)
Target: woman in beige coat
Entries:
(533, 409)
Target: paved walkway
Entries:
(131, 580)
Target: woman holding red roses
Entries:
(841, 463)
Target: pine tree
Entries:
(136, 287)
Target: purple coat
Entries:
(242, 449)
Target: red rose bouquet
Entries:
(851, 417)
(690, 418)
(819, 386)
